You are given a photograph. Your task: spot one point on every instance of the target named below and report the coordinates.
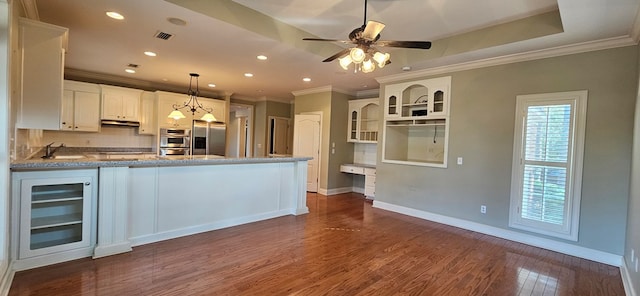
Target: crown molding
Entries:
(321, 89)
(31, 9)
(515, 58)
(369, 93)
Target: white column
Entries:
(112, 212)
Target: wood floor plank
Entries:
(342, 247)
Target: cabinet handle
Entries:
(64, 123)
(76, 127)
(87, 183)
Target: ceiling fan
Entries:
(365, 38)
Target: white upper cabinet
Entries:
(363, 121)
(41, 62)
(80, 107)
(422, 99)
(119, 103)
(416, 123)
(147, 114)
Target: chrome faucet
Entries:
(48, 151)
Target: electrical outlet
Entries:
(483, 209)
(459, 160)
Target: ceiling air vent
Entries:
(163, 35)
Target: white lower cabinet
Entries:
(55, 211)
(369, 177)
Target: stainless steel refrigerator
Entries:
(208, 138)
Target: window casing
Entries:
(547, 163)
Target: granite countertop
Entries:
(87, 161)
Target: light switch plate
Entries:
(459, 160)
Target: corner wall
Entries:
(633, 214)
(482, 129)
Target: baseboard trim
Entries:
(113, 249)
(341, 190)
(627, 279)
(161, 236)
(6, 280)
(569, 249)
(44, 260)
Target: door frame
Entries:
(269, 133)
(249, 132)
(319, 113)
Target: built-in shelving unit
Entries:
(363, 121)
(56, 214)
(416, 122)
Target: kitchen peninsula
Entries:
(140, 201)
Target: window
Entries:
(547, 163)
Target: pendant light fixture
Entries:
(192, 104)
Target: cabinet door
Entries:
(216, 105)
(393, 101)
(147, 114)
(165, 106)
(130, 107)
(112, 106)
(353, 125)
(42, 64)
(55, 214)
(439, 103)
(66, 115)
(86, 111)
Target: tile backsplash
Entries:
(365, 153)
(29, 141)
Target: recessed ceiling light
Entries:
(211, 85)
(176, 21)
(115, 15)
(262, 57)
(130, 71)
(406, 68)
(306, 79)
(248, 75)
(150, 53)
(165, 79)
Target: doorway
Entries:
(240, 131)
(279, 132)
(307, 129)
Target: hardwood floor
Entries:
(342, 247)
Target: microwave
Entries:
(175, 138)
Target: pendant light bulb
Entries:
(176, 114)
(357, 55)
(208, 117)
(381, 58)
(368, 66)
(345, 62)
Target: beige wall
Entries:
(481, 131)
(334, 108)
(318, 102)
(633, 219)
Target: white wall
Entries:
(4, 145)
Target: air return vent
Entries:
(163, 35)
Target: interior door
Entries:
(306, 142)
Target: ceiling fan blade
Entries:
(372, 30)
(340, 54)
(405, 44)
(329, 40)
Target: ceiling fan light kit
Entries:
(364, 54)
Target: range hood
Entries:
(120, 123)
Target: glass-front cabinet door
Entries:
(55, 214)
(353, 125)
